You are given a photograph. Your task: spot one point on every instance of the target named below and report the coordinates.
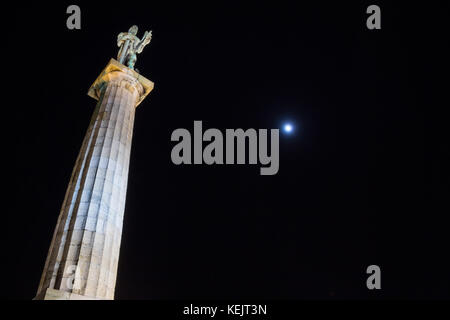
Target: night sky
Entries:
(363, 179)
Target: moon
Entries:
(288, 128)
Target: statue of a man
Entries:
(130, 45)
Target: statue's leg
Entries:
(131, 61)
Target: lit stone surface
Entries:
(83, 256)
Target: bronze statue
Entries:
(130, 45)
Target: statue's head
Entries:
(133, 30)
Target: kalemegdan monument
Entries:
(83, 256)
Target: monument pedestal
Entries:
(84, 252)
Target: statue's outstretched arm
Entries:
(145, 40)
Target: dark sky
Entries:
(363, 180)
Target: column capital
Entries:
(115, 71)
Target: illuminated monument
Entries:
(83, 256)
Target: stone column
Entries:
(83, 256)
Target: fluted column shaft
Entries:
(83, 256)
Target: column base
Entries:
(53, 294)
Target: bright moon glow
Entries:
(288, 128)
